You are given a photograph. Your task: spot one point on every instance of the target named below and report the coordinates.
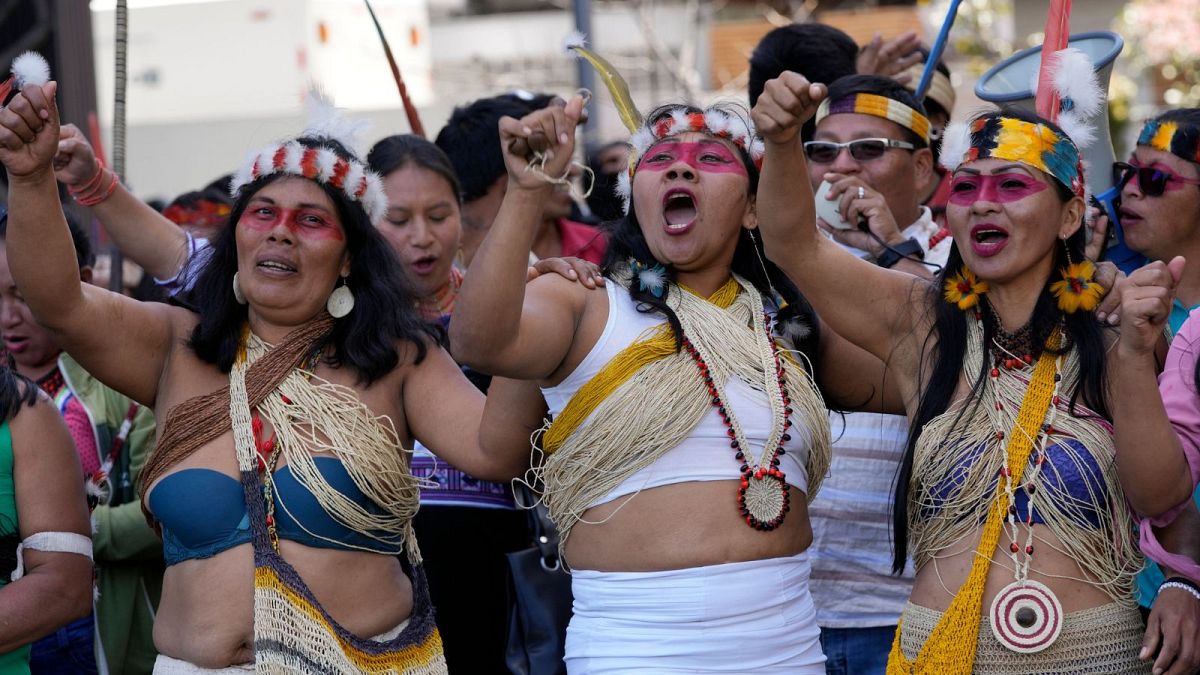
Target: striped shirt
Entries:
(852, 582)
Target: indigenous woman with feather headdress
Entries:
(284, 407)
(689, 433)
(1009, 496)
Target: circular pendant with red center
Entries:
(763, 498)
(1026, 617)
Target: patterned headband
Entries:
(320, 164)
(1181, 140)
(941, 91)
(714, 122)
(877, 106)
(1033, 144)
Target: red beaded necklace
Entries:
(267, 460)
(763, 498)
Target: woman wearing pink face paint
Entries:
(1009, 496)
(689, 433)
(1160, 205)
(466, 525)
(284, 406)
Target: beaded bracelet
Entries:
(1182, 584)
(92, 192)
(92, 183)
(96, 198)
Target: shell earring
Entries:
(341, 301)
(237, 291)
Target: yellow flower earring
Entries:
(963, 289)
(1077, 290)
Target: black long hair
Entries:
(819, 52)
(384, 305)
(402, 150)
(16, 392)
(627, 243)
(947, 345)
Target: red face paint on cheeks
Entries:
(710, 157)
(305, 222)
(1000, 188)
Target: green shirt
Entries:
(15, 662)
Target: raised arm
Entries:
(853, 379)
(487, 439)
(1151, 464)
(145, 236)
(500, 326)
(122, 342)
(56, 587)
(869, 305)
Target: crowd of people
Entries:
(833, 383)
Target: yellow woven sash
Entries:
(616, 372)
(950, 649)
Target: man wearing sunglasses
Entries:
(872, 145)
(1160, 216)
(1160, 199)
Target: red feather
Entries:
(1058, 31)
(414, 119)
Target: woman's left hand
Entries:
(575, 269)
(29, 131)
(1146, 297)
(549, 132)
(1173, 633)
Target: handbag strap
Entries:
(542, 530)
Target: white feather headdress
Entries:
(321, 164)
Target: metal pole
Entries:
(582, 9)
(73, 66)
(116, 280)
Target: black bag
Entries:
(540, 605)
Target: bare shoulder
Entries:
(562, 293)
(38, 428)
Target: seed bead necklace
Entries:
(763, 499)
(268, 454)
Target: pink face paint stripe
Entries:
(965, 190)
(661, 156)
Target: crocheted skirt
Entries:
(1104, 639)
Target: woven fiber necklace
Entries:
(763, 498)
(951, 646)
(1026, 616)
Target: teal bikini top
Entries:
(203, 512)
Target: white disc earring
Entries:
(340, 302)
(237, 291)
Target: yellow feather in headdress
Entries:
(631, 117)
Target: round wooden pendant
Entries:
(1026, 617)
(763, 499)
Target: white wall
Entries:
(210, 80)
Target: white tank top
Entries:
(705, 454)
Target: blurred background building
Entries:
(211, 79)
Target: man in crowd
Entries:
(471, 139)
